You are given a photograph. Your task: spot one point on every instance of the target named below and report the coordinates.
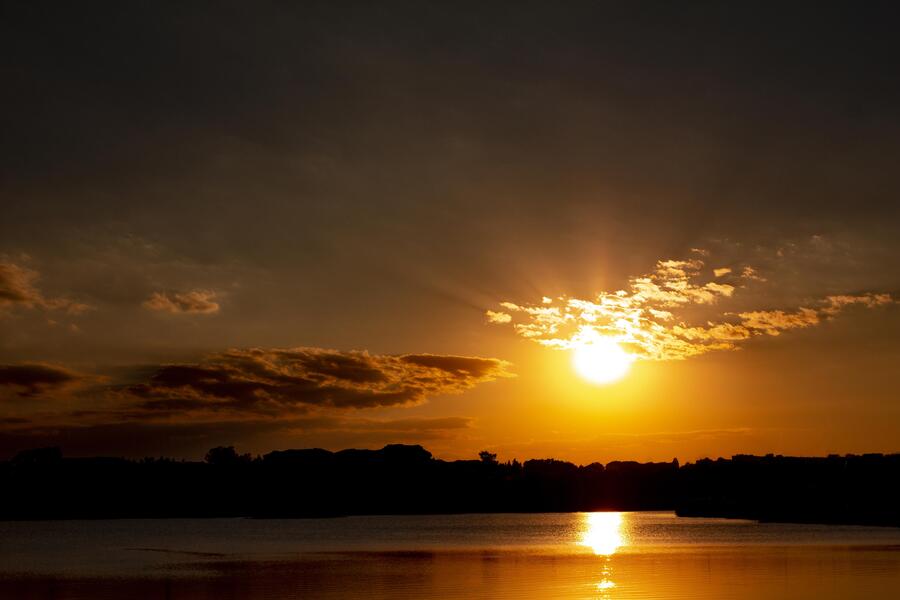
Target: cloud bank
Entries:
(647, 319)
(275, 380)
(313, 393)
(35, 379)
(252, 384)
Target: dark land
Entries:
(399, 479)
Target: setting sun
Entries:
(601, 360)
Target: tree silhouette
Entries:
(400, 479)
(226, 455)
(488, 458)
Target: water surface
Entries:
(580, 555)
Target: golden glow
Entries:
(647, 318)
(601, 360)
(603, 532)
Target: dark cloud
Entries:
(459, 366)
(273, 396)
(32, 379)
(268, 381)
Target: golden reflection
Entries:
(603, 532)
(606, 586)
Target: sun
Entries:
(601, 360)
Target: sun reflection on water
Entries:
(603, 532)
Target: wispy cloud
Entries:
(18, 289)
(647, 318)
(193, 302)
(497, 317)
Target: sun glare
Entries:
(601, 360)
(603, 532)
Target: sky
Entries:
(283, 225)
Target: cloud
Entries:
(17, 285)
(750, 274)
(497, 317)
(773, 322)
(298, 395)
(647, 318)
(18, 289)
(194, 302)
(34, 379)
(275, 380)
(836, 304)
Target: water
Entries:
(587, 555)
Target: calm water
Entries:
(587, 555)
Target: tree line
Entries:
(402, 479)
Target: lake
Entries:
(639, 555)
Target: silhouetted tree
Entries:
(488, 458)
(226, 455)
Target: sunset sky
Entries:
(346, 225)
